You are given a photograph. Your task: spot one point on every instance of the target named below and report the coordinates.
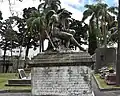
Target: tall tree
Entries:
(93, 11)
(100, 14)
(8, 36)
(118, 49)
(29, 40)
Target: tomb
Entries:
(63, 73)
(104, 57)
(23, 79)
(110, 78)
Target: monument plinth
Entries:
(61, 74)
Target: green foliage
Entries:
(101, 15)
(80, 31)
(92, 38)
(8, 35)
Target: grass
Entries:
(4, 77)
(103, 83)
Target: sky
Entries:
(74, 6)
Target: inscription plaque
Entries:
(60, 81)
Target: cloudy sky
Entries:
(74, 6)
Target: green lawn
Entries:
(103, 84)
(3, 80)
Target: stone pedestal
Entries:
(63, 74)
(59, 81)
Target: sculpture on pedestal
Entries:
(61, 34)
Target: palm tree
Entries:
(39, 22)
(106, 20)
(93, 11)
(100, 14)
(28, 40)
(47, 5)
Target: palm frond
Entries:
(86, 14)
(49, 14)
(113, 10)
(41, 5)
(29, 21)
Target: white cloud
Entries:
(116, 2)
(73, 2)
(5, 9)
(77, 14)
(16, 6)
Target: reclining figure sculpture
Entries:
(67, 36)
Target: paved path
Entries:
(15, 94)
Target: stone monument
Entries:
(61, 74)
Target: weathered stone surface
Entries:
(63, 73)
(59, 81)
(61, 59)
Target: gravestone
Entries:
(22, 74)
(23, 80)
(104, 57)
(58, 74)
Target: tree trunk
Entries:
(98, 31)
(92, 38)
(4, 59)
(42, 45)
(11, 49)
(118, 51)
(26, 56)
(18, 63)
(11, 61)
(105, 30)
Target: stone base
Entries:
(19, 82)
(61, 59)
(61, 81)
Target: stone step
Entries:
(19, 82)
